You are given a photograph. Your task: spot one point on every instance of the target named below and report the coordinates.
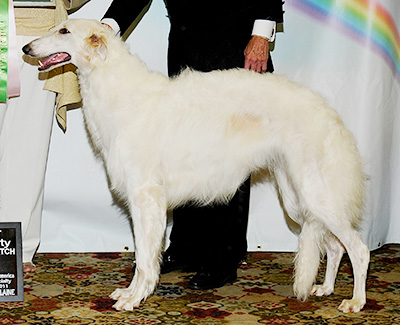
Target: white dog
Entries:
(198, 136)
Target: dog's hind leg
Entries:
(334, 252)
(308, 256)
(359, 257)
(333, 219)
(332, 214)
(288, 195)
(149, 221)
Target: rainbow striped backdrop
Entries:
(366, 21)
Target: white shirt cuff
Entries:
(113, 24)
(264, 28)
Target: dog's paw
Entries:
(321, 290)
(120, 293)
(351, 305)
(126, 304)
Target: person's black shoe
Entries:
(204, 280)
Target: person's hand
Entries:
(256, 54)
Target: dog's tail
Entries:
(308, 258)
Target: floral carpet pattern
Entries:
(73, 289)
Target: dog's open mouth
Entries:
(53, 59)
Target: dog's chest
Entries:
(98, 130)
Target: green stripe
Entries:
(3, 49)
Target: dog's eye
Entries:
(64, 31)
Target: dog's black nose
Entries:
(26, 49)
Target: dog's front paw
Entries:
(351, 305)
(129, 298)
(120, 293)
(321, 290)
(126, 304)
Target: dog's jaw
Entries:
(54, 60)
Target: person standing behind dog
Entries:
(210, 35)
(25, 125)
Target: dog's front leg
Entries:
(149, 222)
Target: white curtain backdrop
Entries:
(348, 50)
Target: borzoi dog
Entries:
(198, 136)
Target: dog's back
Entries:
(243, 121)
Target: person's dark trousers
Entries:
(211, 239)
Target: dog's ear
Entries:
(98, 43)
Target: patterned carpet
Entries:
(74, 289)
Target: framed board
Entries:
(11, 267)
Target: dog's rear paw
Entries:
(321, 290)
(126, 304)
(351, 305)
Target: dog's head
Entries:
(76, 41)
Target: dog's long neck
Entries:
(117, 71)
(111, 84)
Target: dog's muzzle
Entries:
(51, 60)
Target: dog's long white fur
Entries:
(198, 136)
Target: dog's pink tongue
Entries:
(53, 59)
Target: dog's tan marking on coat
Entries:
(245, 124)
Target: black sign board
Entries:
(11, 268)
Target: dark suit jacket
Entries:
(204, 14)
(205, 34)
